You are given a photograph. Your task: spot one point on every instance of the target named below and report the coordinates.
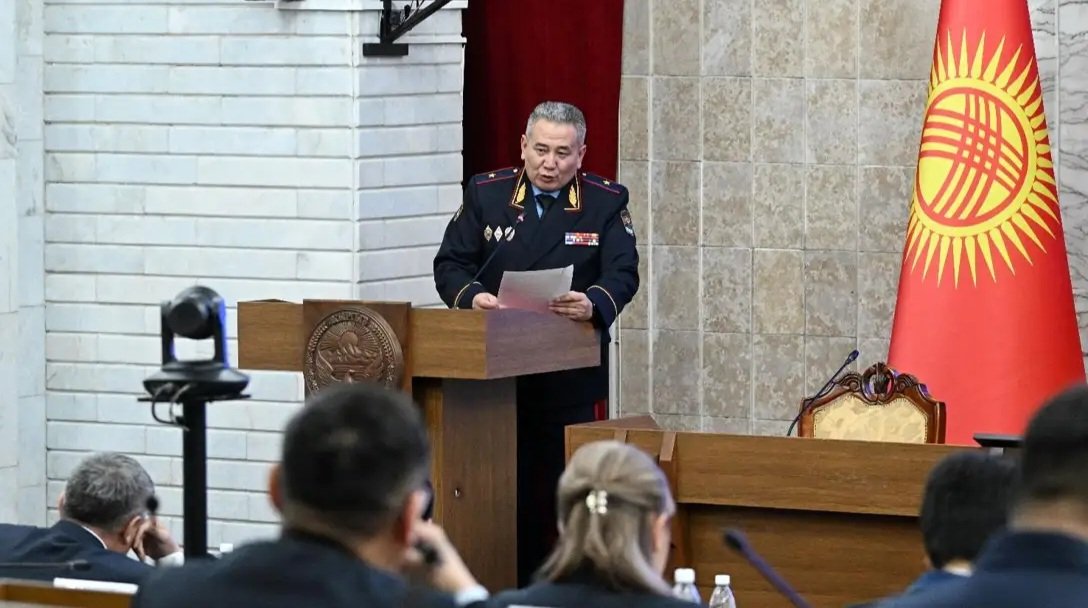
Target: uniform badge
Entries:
(628, 225)
(457, 214)
(510, 233)
(487, 233)
(574, 198)
(583, 239)
(498, 234)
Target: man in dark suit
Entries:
(350, 490)
(103, 517)
(965, 502)
(1042, 561)
(545, 214)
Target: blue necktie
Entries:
(544, 202)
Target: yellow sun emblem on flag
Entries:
(985, 175)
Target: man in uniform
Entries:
(545, 214)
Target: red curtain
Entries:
(521, 52)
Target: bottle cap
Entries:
(721, 580)
(684, 576)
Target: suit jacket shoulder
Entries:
(11, 534)
(1014, 570)
(63, 542)
(285, 573)
(577, 595)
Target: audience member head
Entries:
(553, 145)
(354, 466)
(1053, 489)
(108, 494)
(966, 500)
(614, 511)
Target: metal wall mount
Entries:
(396, 23)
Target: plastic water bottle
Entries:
(723, 594)
(684, 586)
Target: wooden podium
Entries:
(461, 366)
(837, 519)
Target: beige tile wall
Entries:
(769, 146)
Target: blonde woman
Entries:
(614, 511)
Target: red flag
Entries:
(985, 313)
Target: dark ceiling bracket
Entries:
(395, 24)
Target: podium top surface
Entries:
(459, 344)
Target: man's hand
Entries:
(153, 540)
(449, 574)
(485, 301)
(573, 305)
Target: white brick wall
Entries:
(246, 147)
(22, 310)
(407, 145)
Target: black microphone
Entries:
(823, 391)
(736, 541)
(519, 220)
(75, 564)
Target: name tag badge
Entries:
(583, 239)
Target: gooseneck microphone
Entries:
(519, 220)
(736, 541)
(823, 391)
(75, 564)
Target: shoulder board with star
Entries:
(598, 182)
(497, 176)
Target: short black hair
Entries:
(967, 498)
(351, 457)
(1055, 452)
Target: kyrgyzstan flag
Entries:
(985, 315)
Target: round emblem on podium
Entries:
(352, 345)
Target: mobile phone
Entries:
(428, 507)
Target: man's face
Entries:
(552, 154)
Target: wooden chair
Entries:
(879, 404)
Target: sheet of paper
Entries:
(533, 289)
(89, 585)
